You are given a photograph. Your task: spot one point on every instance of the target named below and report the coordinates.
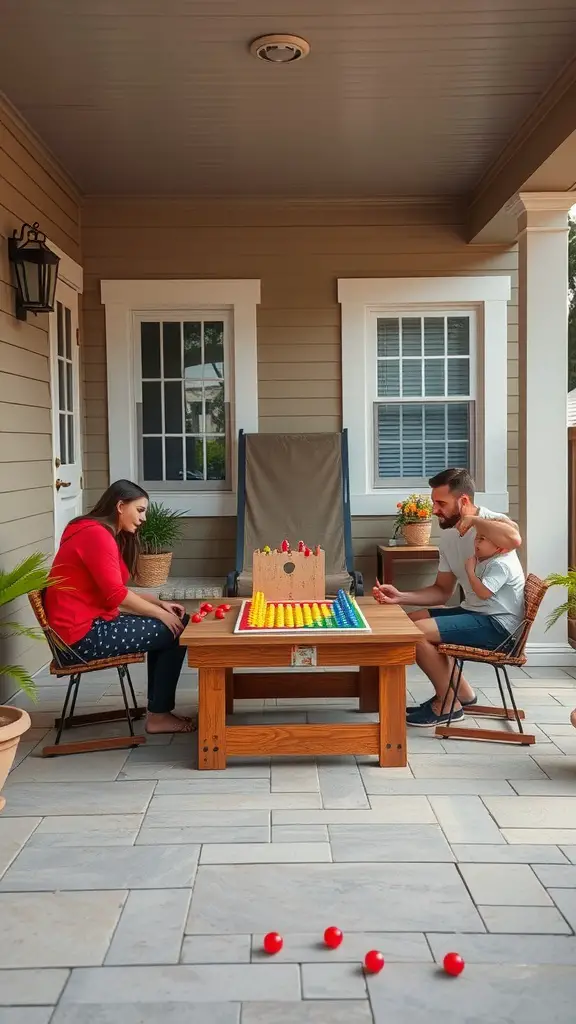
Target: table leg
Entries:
(368, 689)
(229, 691)
(211, 718)
(392, 687)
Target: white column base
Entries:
(551, 655)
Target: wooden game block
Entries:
(289, 576)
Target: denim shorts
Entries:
(469, 629)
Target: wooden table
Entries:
(380, 685)
(403, 553)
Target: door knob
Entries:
(62, 483)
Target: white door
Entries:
(67, 448)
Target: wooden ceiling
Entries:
(397, 98)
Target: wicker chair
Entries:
(62, 667)
(500, 659)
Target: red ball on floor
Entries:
(333, 937)
(273, 942)
(453, 964)
(374, 961)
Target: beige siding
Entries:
(31, 188)
(298, 251)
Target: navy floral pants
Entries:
(136, 634)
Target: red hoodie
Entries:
(92, 580)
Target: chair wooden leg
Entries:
(71, 721)
(85, 746)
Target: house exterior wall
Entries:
(298, 251)
(31, 188)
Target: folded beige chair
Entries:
(294, 486)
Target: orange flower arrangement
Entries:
(417, 508)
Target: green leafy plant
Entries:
(568, 607)
(161, 530)
(30, 574)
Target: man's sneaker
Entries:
(424, 717)
(414, 707)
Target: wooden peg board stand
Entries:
(289, 576)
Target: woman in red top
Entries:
(94, 613)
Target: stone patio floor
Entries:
(136, 890)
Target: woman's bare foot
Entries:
(573, 718)
(167, 723)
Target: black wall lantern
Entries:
(35, 269)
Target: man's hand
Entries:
(385, 593)
(471, 564)
(465, 524)
(173, 608)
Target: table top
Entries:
(412, 548)
(389, 624)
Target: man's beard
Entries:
(446, 523)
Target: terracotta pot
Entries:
(13, 723)
(417, 535)
(153, 570)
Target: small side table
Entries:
(403, 553)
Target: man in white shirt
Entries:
(478, 622)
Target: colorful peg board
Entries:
(342, 615)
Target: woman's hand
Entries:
(171, 606)
(174, 623)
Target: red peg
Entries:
(300, 545)
(307, 552)
(374, 961)
(273, 943)
(219, 613)
(285, 546)
(225, 607)
(454, 964)
(197, 617)
(333, 937)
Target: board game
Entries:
(341, 614)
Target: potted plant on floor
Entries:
(158, 537)
(568, 607)
(31, 574)
(414, 519)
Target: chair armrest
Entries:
(357, 584)
(232, 584)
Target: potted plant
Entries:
(568, 607)
(31, 574)
(414, 519)
(158, 536)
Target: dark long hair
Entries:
(105, 512)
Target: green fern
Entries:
(30, 574)
(568, 607)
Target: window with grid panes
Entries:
(184, 412)
(424, 408)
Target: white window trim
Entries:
(360, 298)
(124, 299)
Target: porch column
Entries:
(543, 344)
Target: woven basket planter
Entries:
(417, 535)
(153, 570)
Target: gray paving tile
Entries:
(146, 1013)
(565, 900)
(347, 1011)
(506, 854)
(546, 673)
(507, 949)
(333, 981)
(77, 797)
(513, 885)
(299, 834)
(19, 987)
(295, 778)
(403, 810)
(418, 995)
(265, 853)
(199, 983)
(203, 834)
(341, 786)
(25, 1014)
(254, 898)
(233, 801)
(464, 819)
(474, 766)
(82, 767)
(376, 781)
(397, 947)
(212, 782)
(401, 843)
(570, 852)
(533, 811)
(525, 920)
(216, 949)
(554, 836)
(354, 817)
(151, 927)
(557, 876)
(173, 818)
(14, 833)
(112, 867)
(50, 929)
(86, 830)
(547, 787)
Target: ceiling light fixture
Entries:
(280, 49)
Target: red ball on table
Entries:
(225, 607)
(206, 607)
(333, 937)
(197, 617)
(374, 961)
(219, 613)
(453, 964)
(273, 943)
